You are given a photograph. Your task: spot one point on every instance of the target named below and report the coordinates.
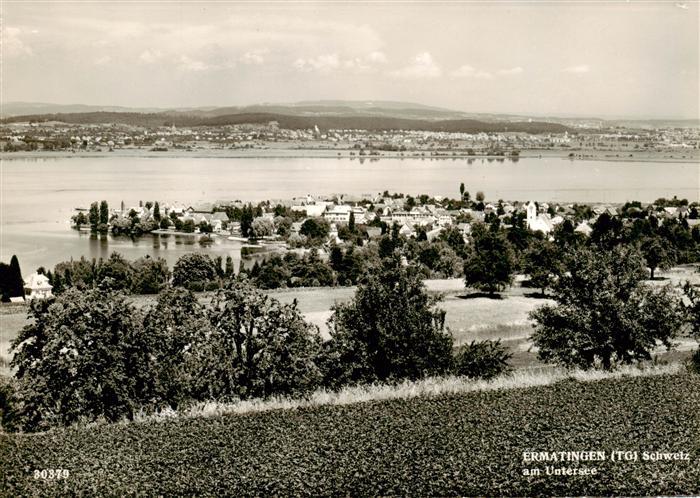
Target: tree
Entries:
(104, 213)
(82, 357)
(272, 273)
(657, 254)
(176, 330)
(480, 196)
(693, 308)
(115, 273)
(336, 258)
(311, 271)
(79, 219)
(16, 283)
(228, 272)
(315, 229)
(156, 212)
(390, 330)
(262, 227)
(490, 263)
(604, 313)
(262, 347)
(188, 226)
(193, 268)
(246, 220)
(283, 226)
(94, 216)
(482, 360)
(150, 275)
(5, 282)
(606, 231)
(542, 263)
(351, 222)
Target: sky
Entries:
(592, 58)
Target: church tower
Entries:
(531, 214)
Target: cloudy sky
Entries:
(628, 58)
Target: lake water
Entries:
(38, 195)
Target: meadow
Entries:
(454, 443)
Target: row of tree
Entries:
(93, 354)
(145, 275)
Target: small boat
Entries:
(238, 239)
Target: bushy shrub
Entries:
(490, 261)
(150, 275)
(482, 360)
(604, 313)
(7, 401)
(82, 357)
(388, 331)
(116, 273)
(260, 347)
(176, 330)
(193, 268)
(694, 362)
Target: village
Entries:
(281, 223)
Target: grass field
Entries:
(453, 444)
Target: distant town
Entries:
(604, 141)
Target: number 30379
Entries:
(51, 474)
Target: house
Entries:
(406, 230)
(584, 228)
(206, 207)
(341, 214)
(220, 216)
(374, 232)
(671, 212)
(338, 214)
(313, 210)
(37, 286)
(416, 216)
(433, 234)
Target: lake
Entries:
(39, 194)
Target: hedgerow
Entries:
(465, 444)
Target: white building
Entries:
(538, 222)
(37, 286)
(341, 214)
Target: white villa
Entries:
(37, 286)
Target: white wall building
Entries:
(37, 286)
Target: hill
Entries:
(324, 122)
(454, 444)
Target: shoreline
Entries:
(314, 153)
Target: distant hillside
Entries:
(325, 122)
(10, 109)
(311, 108)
